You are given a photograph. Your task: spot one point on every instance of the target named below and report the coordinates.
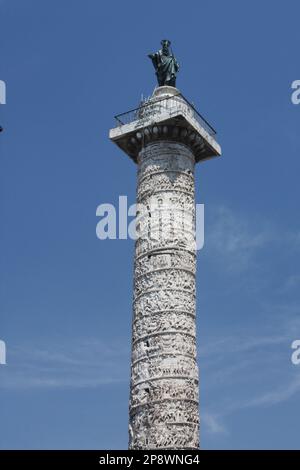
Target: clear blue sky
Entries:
(66, 296)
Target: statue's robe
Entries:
(166, 67)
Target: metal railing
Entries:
(169, 104)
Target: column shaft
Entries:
(164, 374)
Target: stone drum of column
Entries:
(164, 375)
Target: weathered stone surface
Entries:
(171, 118)
(164, 373)
(165, 139)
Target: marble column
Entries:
(165, 139)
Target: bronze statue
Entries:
(165, 64)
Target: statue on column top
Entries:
(165, 64)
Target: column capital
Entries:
(168, 116)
